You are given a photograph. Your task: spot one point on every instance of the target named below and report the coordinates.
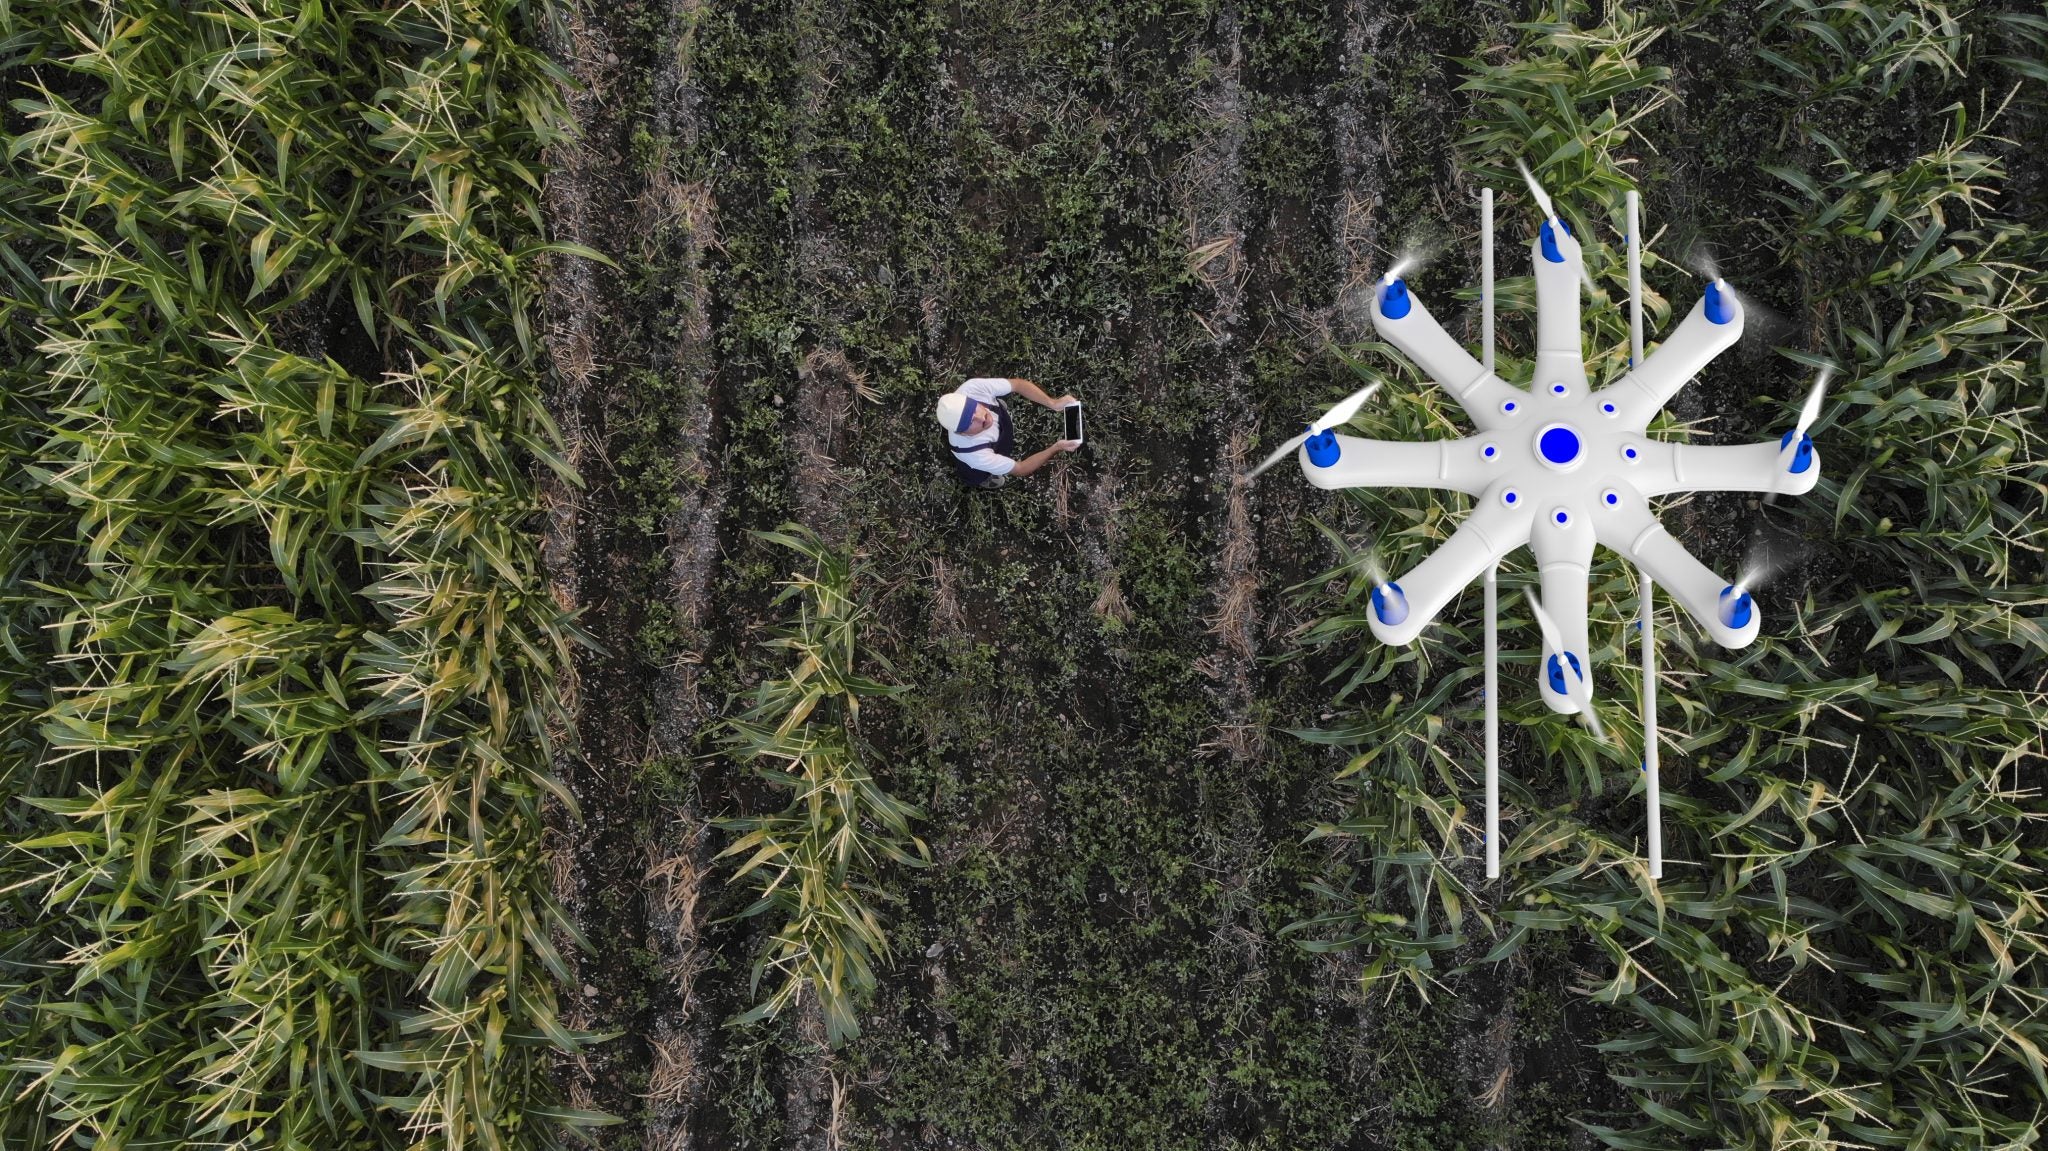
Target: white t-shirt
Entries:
(987, 389)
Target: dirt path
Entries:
(635, 550)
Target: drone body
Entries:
(1560, 466)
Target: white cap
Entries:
(952, 411)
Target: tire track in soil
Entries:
(1360, 164)
(1232, 839)
(822, 427)
(631, 897)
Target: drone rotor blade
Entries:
(1536, 190)
(1545, 625)
(1279, 454)
(1811, 411)
(1345, 408)
(1373, 570)
(1550, 213)
(1808, 413)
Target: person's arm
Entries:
(1036, 395)
(1036, 460)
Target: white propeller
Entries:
(1536, 190)
(1575, 684)
(1335, 417)
(1765, 562)
(1373, 570)
(1807, 415)
(1550, 213)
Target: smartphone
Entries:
(1074, 431)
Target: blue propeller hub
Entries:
(1801, 459)
(1736, 607)
(1322, 448)
(1389, 603)
(1720, 308)
(1550, 250)
(1557, 683)
(1394, 301)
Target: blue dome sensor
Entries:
(1559, 445)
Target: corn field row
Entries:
(1852, 953)
(817, 863)
(279, 670)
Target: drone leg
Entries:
(1422, 339)
(1643, 392)
(1490, 532)
(1633, 532)
(1564, 557)
(1486, 278)
(1492, 570)
(1493, 722)
(1651, 793)
(1761, 467)
(1451, 465)
(1635, 278)
(1649, 621)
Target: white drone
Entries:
(1558, 467)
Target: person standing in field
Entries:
(977, 427)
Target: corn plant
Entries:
(279, 660)
(1851, 953)
(815, 862)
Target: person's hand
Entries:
(1064, 402)
(1067, 445)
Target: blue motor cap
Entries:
(1720, 306)
(1389, 603)
(1550, 251)
(1557, 683)
(1394, 301)
(1736, 608)
(1801, 459)
(1323, 449)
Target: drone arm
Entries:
(1490, 532)
(1564, 559)
(1726, 468)
(1441, 358)
(1633, 532)
(1689, 348)
(1559, 355)
(1451, 465)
